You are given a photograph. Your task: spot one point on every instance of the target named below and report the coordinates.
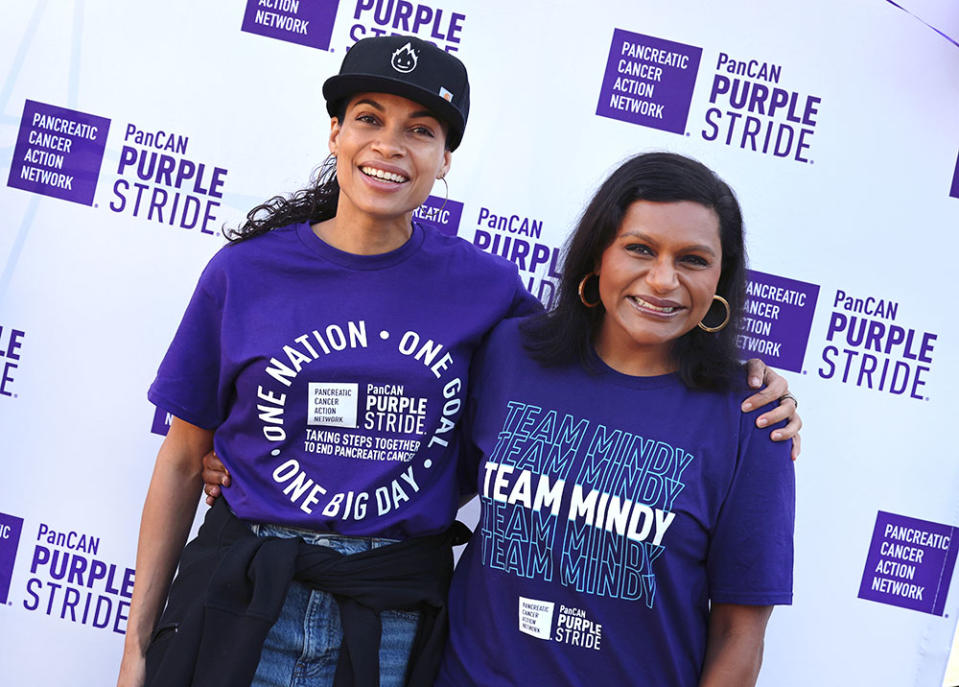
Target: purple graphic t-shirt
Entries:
(613, 510)
(333, 380)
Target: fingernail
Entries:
(776, 435)
(755, 381)
(747, 406)
(762, 422)
(794, 458)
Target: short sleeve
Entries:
(750, 558)
(470, 455)
(524, 303)
(188, 382)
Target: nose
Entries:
(388, 142)
(662, 276)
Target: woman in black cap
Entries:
(325, 355)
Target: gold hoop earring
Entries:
(432, 214)
(582, 291)
(725, 303)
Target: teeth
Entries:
(645, 304)
(384, 175)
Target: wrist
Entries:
(136, 643)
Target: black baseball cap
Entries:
(409, 67)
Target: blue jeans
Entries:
(303, 646)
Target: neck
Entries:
(634, 360)
(362, 234)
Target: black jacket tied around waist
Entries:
(231, 585)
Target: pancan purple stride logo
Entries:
(10, 528)
(95, 593)
(305, 22)
(58, 152)
(751, 109)
(955, 181)
(519, 239)
(866, 346)
(777, 318)
(157, 181)
(442, 215)
(649, 81)
(910, 563)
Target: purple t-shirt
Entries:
(334, 380)
(614, 509)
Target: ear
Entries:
(445, 167)
(334, 134)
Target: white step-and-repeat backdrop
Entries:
(131, 132)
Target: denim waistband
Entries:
(338, 542)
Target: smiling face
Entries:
(389, 150)
(656, 281)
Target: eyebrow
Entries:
(413, 115)
(695, 247)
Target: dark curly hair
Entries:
(564, 334)
(313, 204)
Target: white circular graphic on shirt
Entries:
(399, 417)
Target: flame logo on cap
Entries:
(404, 59)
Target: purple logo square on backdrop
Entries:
(649, 81)
(161, 422)
(775, 326)
(58, 152)
(443, 215)
(955, 181)
(10, 528)
(306, 22)
(910, 563)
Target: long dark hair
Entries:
(312, 204)
(564, 334)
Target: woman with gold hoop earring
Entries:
(581, 290)
(636, 527)
(719, 327)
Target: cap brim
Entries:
(341, 86)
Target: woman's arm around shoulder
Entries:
(167, 515)
(773, 387)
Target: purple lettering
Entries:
(41, 556)
(456, 25)
(128, 156)
(184, 171)
(362, 6)
(423, 16)
(6, 378)
(720, 86)
(926, 348)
